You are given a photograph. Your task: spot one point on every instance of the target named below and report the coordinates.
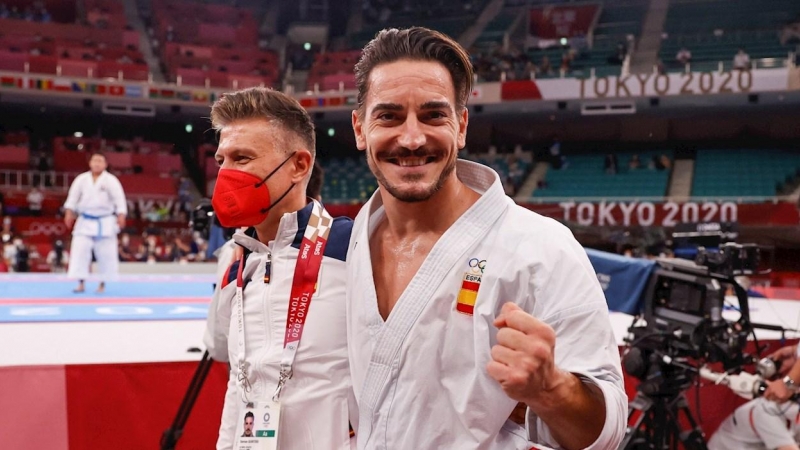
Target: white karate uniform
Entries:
(97, 204)
(420, 377)
(759, 425)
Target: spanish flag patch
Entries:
(469, 292)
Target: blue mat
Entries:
(49, 298)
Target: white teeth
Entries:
(410, 162)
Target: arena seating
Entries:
(736, 24)
(100, 45)
(145, 169)
(212, 43)
(451, 18)
(743, 173)
(511, 168)
(584, 176)
(347, 180)
(617, 21)
(331, 69)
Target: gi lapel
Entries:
(448, 251)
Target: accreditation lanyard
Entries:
(304, 284)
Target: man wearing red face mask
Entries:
(282, 302)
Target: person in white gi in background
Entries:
(759, 424)
(97, 207)
(266, 152)
(460, 303)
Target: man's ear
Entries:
(361, 141)
(302, 166)
(463, 121)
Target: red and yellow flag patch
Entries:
(465, 303)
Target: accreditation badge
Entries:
(258, 426)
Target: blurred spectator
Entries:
(126, 252)
(684, 56)
(9, 251)
(634, 163)
(656, 163)
(2, 204)
(58, 258)
(545, 67)
(742, 60)
(790, 34)
(21, 261)
(184, 191)
(557, 160)
(665, 161)
(611, 164)
(660, 68)
(35, 199)
(8, 229)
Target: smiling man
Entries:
(460, 303)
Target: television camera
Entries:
(682, 329)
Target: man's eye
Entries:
(437, 115)
(387, 116)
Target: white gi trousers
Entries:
(80, 257)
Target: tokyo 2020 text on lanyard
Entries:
(306, 274)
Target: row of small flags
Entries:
(127, 90)
(138, 91)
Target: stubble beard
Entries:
(411, 196)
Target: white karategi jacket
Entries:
(97, 204)
(317, 401)
(420, 378)
(759, 425)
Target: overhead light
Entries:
(331, 132)
(564, 41)
(78, 134)
(307, 46)
(189, 128)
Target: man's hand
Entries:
(121, 221)
(523, 360)
(785, 357)
(777, 391)
(69, 218)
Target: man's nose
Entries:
(412, 134)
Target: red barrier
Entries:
(520, 90)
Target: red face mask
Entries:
(238, 199)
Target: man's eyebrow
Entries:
(247, 151)
(387, 107)
(435, 105)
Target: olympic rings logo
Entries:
(47, 229)
(477, 265)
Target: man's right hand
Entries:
(69, 218)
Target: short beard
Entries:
(411, 197)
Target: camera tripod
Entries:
(658, 427)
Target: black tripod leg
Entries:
(644, 406)
(171, 435)
(692, 439)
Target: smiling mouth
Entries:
(411, 162)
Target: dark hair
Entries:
(419, 44)
(249, 414)
(258, 102)
(314, 188)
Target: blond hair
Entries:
(273, 106)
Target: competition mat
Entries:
(42, 297)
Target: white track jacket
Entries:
(315, 409)
(420, 377)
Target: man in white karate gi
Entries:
(460, 303)
(96, 206)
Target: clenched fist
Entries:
(523, 360)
